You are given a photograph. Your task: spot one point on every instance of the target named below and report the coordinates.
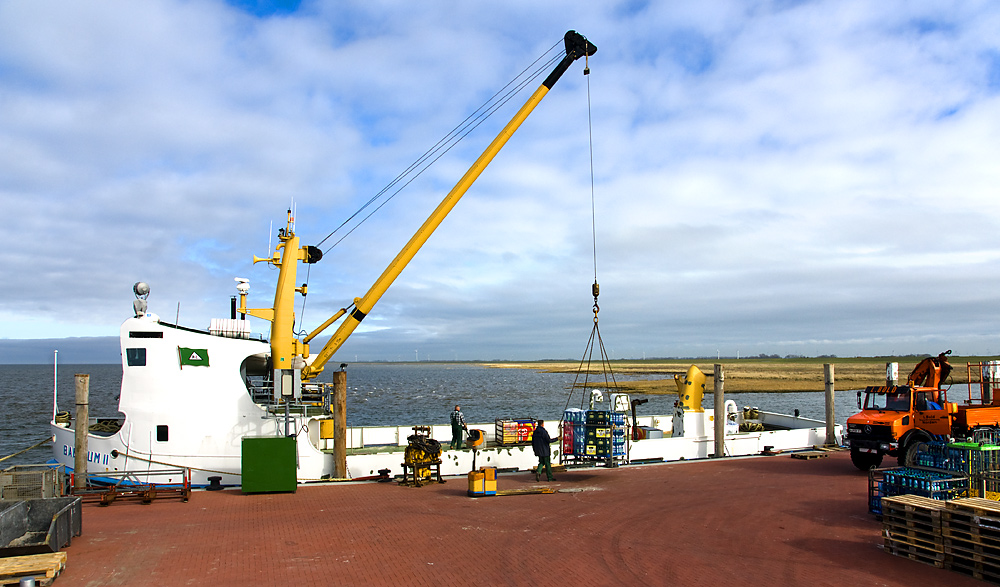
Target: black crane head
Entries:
(577, 45)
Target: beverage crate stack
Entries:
(575, 424)
(937, 455)
(618, 434)
(598, 442)
(977, 461)
(961, 535)
(937, 485)
(596, 435)
(514, 431)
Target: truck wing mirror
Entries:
(859, 399)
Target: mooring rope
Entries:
(21, 452)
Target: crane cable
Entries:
(438, 150)
(595, 333)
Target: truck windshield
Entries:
(898, 402)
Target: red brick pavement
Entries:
(758, 521)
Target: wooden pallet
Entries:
(928, 557)
(810, 454)
(982, 571)
(43, 567)
(915, 508)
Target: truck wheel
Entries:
(908, 455)
(865, 460)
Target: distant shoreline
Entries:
(751, 375)
(756, 375)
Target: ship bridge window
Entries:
(135, 357)
(162, 433)
(141, 334)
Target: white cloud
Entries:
(797, 178)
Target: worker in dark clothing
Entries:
(457, 426)
(540, 441)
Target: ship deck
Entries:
(743, 521)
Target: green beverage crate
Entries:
(268, 464)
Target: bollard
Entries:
(831, 418)
(719, 394)
(82, 428)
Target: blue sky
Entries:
(769, 177)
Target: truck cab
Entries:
(892, 418)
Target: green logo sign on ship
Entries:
(193, 357)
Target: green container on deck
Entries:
(268, 464)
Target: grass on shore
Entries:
(753, 375)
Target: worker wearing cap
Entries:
(457, 426)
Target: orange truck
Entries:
(895, 419)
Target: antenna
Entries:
(270, 231)
(55, 384)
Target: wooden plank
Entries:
(978, 505)
(917, 554)
(915, 502)
(526, 491)
(969, 529)
(930, 542)
(910, 517)
(974, 552)
(42, 566)
(979, 571)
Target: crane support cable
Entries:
(439, 149)
(452, 138)
(596, 342)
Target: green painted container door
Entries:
(268, 464)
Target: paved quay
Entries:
(748, 521)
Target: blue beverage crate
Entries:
(943, 485)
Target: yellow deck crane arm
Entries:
(284, 347)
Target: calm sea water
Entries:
(378, 394)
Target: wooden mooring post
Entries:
(339, 408)
(831, 418)
(82, 428)
(719, 397)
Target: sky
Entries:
(742, 178)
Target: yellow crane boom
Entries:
(285, 348)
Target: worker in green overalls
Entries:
(540, 441)
(457, 426)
